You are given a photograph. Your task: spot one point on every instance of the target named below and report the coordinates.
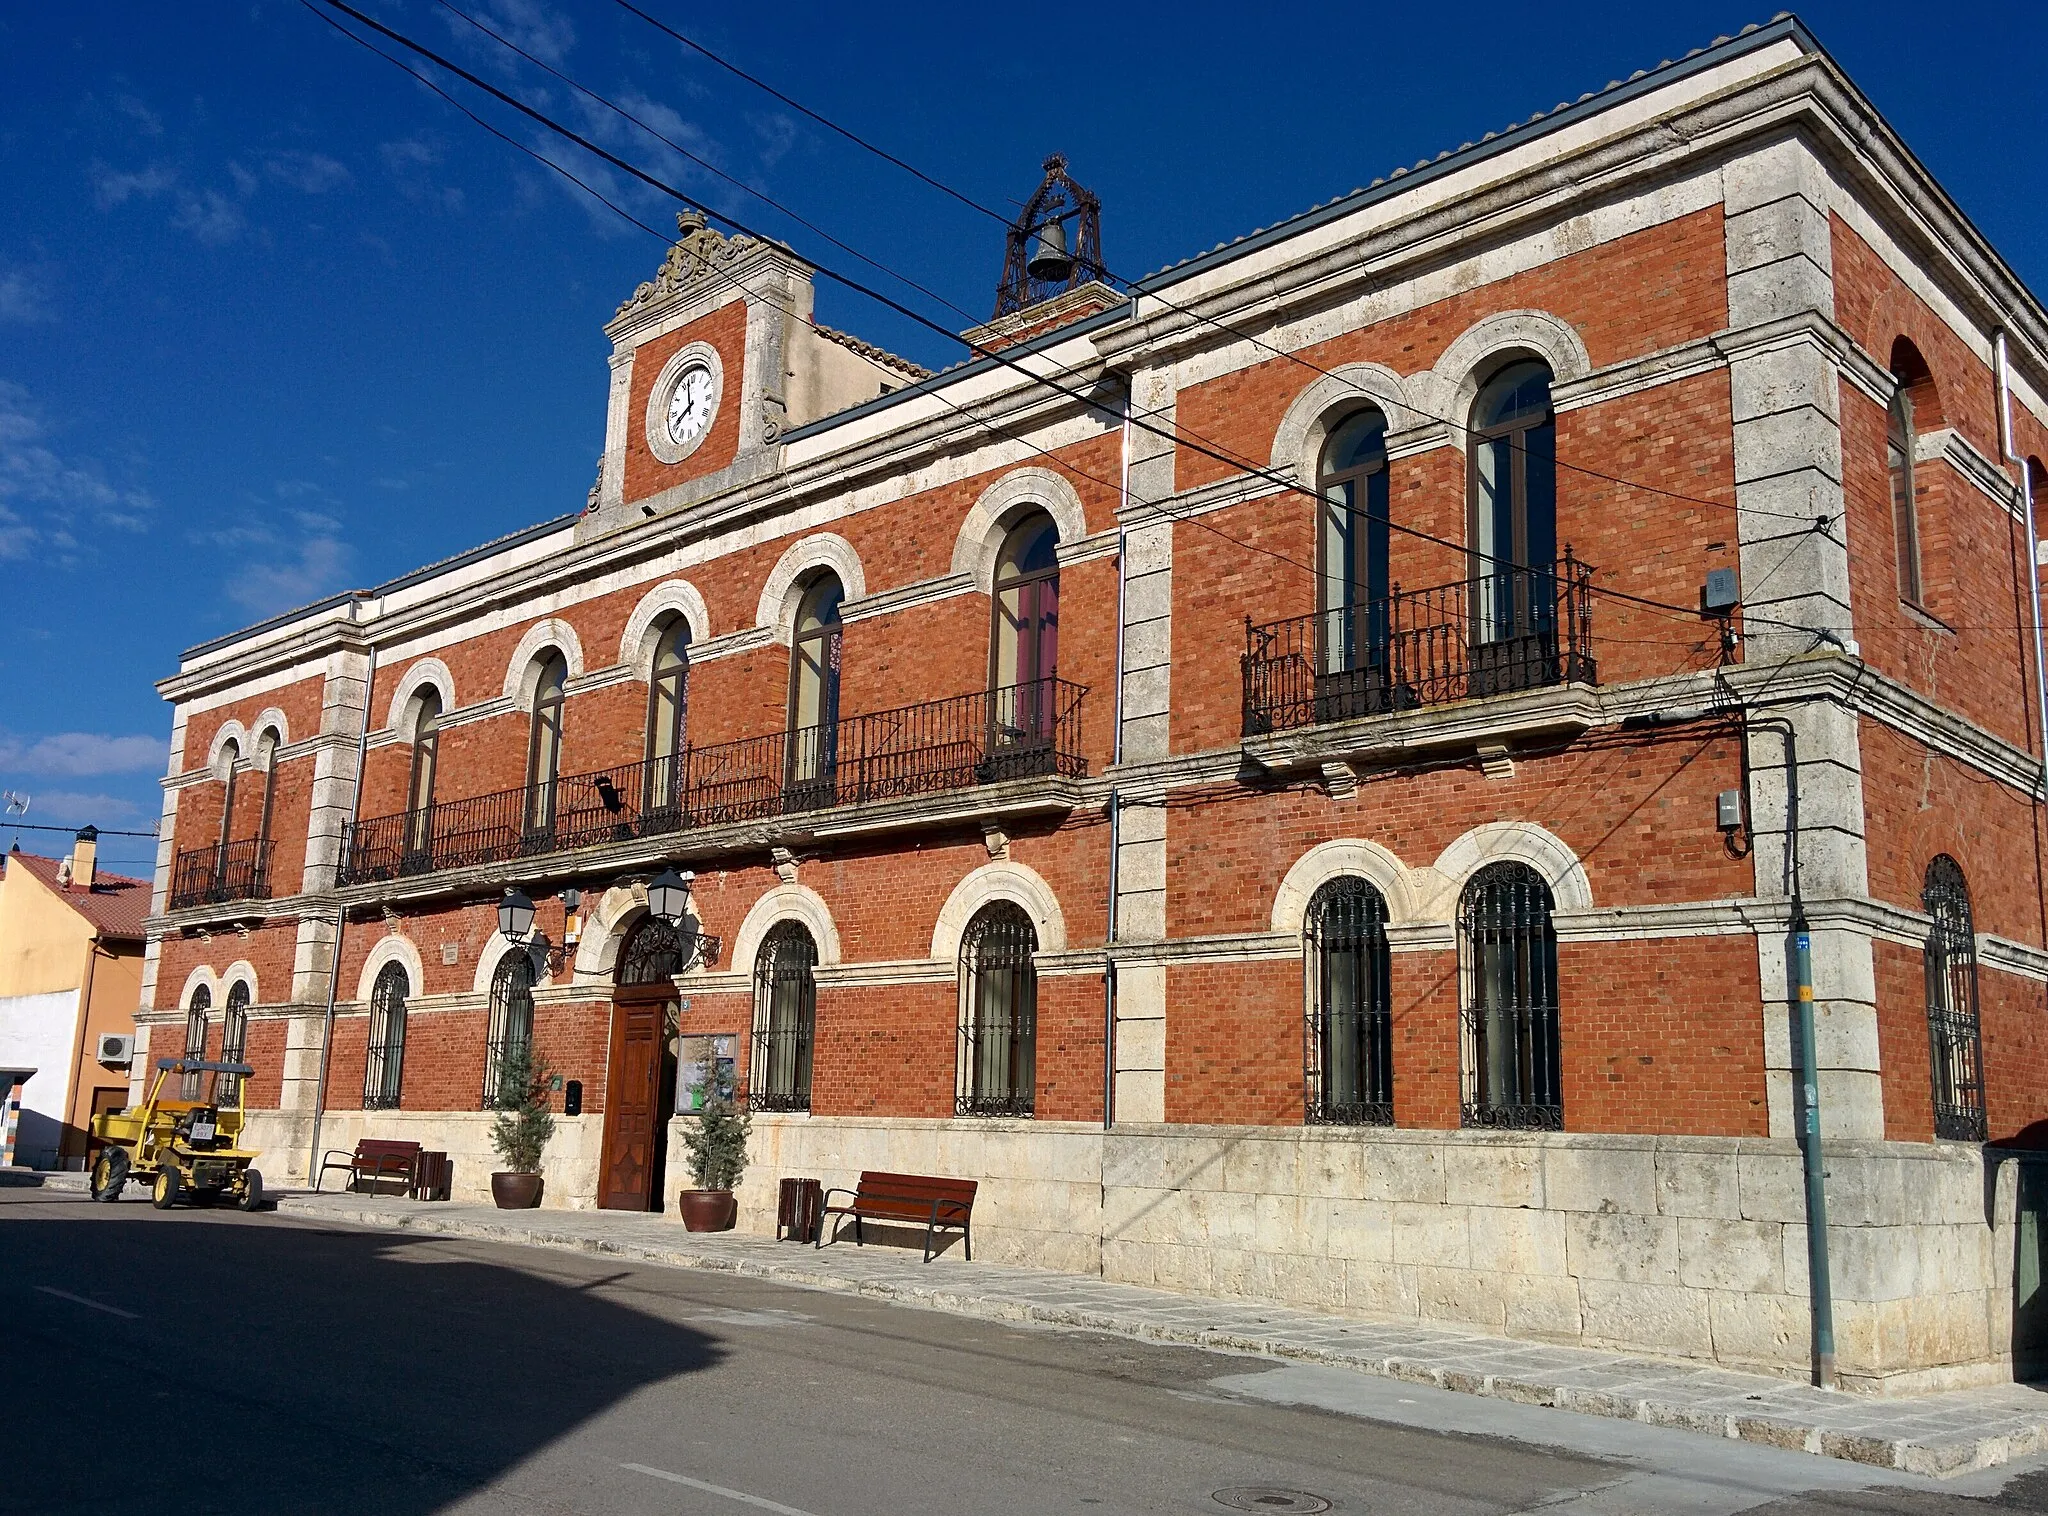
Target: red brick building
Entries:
(1283, 803)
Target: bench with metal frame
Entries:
(906, 1199)
(375, 1159)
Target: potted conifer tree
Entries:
(717, 1144)
(523, 1125)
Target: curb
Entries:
(1936, 1457)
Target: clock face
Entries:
(689, 408)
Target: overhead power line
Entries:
(1177, 437)
(1132, 285)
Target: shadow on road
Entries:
(235, 1364)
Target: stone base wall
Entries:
(569, 1171)
(1681, 1247)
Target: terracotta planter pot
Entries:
(515, 1192)
(710, 1210)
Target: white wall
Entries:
(35, 1033)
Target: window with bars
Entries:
(384, 1067)
(1509, 1035)
(195, 1039)
(1954, 1037)
(998, 1066)
(785, 1020)
(511, 1019)
(1349, 1042)
(234, 1040)
(652, 954)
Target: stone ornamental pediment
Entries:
(698, 255)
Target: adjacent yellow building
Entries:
(70, 975)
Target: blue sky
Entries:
(275, 321)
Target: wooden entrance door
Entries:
(633, 1114)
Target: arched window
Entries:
(511, 1018)
(230, 758)
(1024, 634)
(1351, 546)
(652, 954)
(544, 747)
(1350, 1042)
(998, 1067)
(419, 791)
(814, 691)
(1903, 418)
(785, 1019)
(267, 744)
(234, 1038)
(668, 718)
(384, 1065)
(195, 1038)
(1509, 960)
(1954, 1040)
(1514, 525)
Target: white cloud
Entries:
(210, 216)
(281, 556)
(308, 173)
(81, 753)
(147, 120)
(316, 566)
(44, 495)
(527, 24)
(83, 808)
(22, 298)
(111, 187)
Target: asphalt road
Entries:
(199, 1361)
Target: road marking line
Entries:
(717, 1489)
(111, 1310)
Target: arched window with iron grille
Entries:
(1508, 949)
(384, 1064)
(511, 1018)
(785, 1019)
(234, 1039)
(1349, 1045)
(1513, 531)
(195, 1038)
(652, 954)
(998, 1067)
(1954, 1038)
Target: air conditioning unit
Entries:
(117, 1048)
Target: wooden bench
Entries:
(914, 1199)
(375, 1159)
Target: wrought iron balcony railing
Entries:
(1020, 731)
(215, 875)
(1493, 634)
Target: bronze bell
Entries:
(1049, 259)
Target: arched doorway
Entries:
(640, 1085)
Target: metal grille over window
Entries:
(1350, 1036)
(511, 1018)
(785, 1020)
(998, 1070)
(652, 955)
(234, 1041)
(1954, 1039)
(1509, 1032)
(384, 1066)
(195, 1038)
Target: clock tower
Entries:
(713, 359)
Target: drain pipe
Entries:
(1818, 1271)
(2033, 559)
(341, 912)
(1116, 757)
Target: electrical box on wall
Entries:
(1721, 594)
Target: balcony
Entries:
(216, 875)
(1368, 667)
(1027, 731)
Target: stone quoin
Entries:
(1274, 842)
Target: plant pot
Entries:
(710, 1210)
(515, 1192)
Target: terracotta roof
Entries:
(116, 905)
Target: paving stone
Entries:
(1939, 1435)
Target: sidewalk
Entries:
(1937, 1435)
